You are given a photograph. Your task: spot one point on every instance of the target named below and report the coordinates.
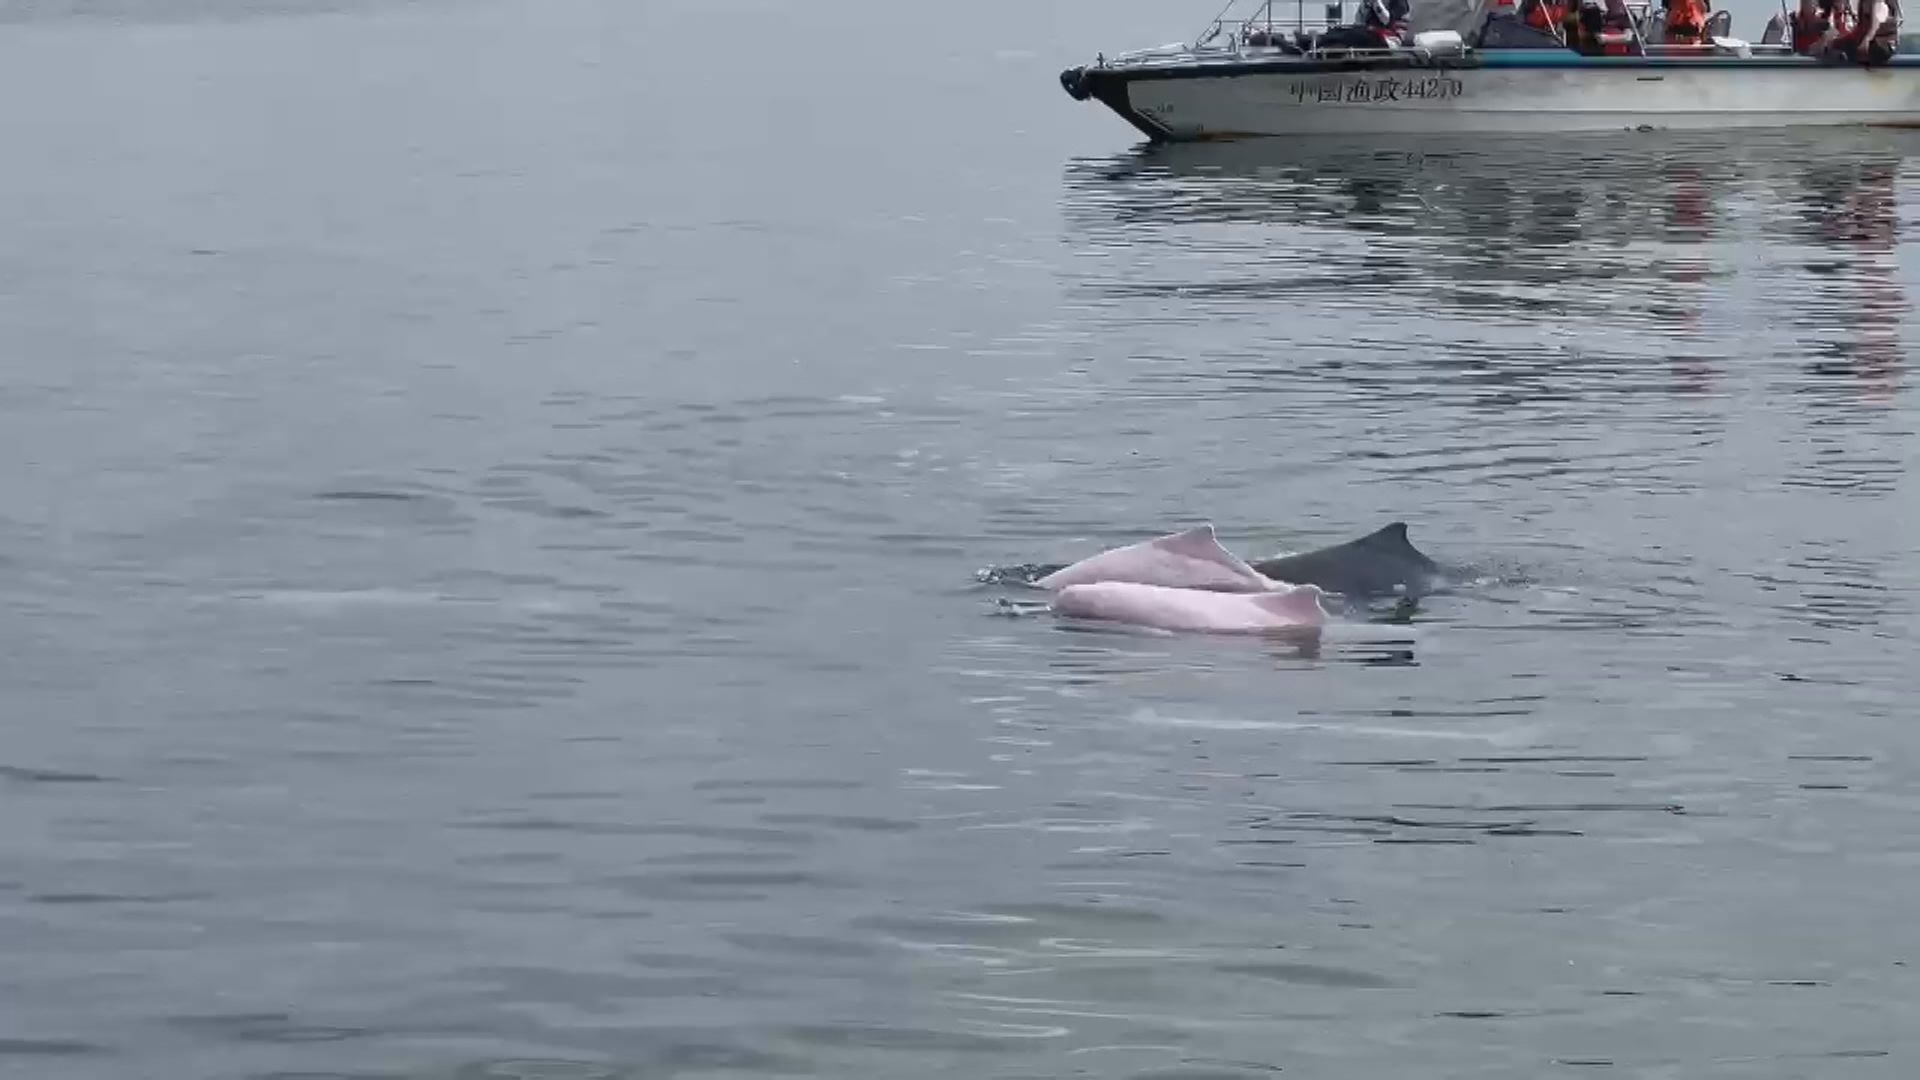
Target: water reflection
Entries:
(1704, 250)
(1610, 189)
(1847, 213)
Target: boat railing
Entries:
(1295, 26)
(1735, 47)
(1267, 20)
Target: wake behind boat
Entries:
(1475, 66)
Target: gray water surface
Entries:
(489, 566)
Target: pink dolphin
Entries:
(1164, 608)
(1192, 559)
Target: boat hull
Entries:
(1493, 94)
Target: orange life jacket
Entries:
(1686, 18)
(1546, 15)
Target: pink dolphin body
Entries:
(1165, 608)
(1192, 559)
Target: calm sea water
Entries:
(495, 495)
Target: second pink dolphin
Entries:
(1164, 608)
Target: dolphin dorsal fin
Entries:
(1200, 542)
(1394, 538)
(1198, 538)
(1392, 533)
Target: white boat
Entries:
(1472, 67)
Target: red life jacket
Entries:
(1390, 34)
(1686, 18)
(1807, 33)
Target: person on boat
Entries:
(1809, 27)
(1545, 15)
(1585, 27)
(1616, 35)
(1391, 20)
(1686, 21)
(1383, 25)
(1817, 24)
(1838, 15)
(1875, 36)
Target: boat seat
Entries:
(1776, 31)
(1720, 24)
(1657, 28)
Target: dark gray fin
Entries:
(1393, 538)
(1377, 564)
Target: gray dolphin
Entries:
(1383, 563)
